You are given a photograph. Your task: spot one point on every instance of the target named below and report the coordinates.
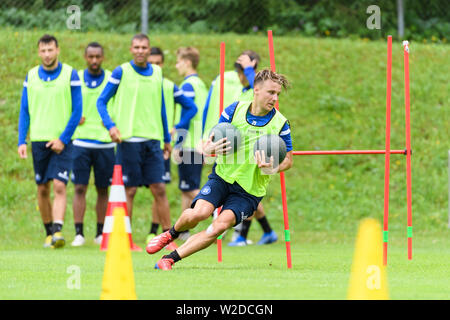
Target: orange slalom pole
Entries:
(408, 148)
(222, 71)
(388, 148)
(287, 236)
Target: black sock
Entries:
(57, 227)
(48, 228)
(174, 233)
(245, 228)
(173, 255)
(99, 229)
(79, 229)
(265, 224)
(154, 228)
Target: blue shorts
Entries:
(142, 162)
(190, 170)
(218, 192)
(102, 160)
(167, 175)
(49, 165)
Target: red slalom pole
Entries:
(408, 148)
(222, 72)
(287, 235)
(388, 148)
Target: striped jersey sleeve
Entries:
(285, 134)
(188, 90)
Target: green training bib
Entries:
(92, 128)
(49, 104)
(240, 166)
(137, 104)
(195, 126)
(231, 86)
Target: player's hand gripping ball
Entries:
(272, 145)
(228, 131)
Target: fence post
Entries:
(144, 16)
(400, 18)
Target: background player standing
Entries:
(51, 95)
(92, 146)
(139, 126)
(173, 97)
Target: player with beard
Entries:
(92, 145)
(51, 108)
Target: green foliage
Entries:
(424, 20)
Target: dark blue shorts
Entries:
(142, 162)
(190, 170)
(218, 192)
(48, 165)
(167, 175)
(102, 161)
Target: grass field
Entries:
(320, 271)
(337, 101)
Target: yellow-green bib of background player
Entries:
(245, 96)
(231, 85)
(169, 102)
(195, 126)
(49, 104)
(137, 104)
(241, 167)
(92, 128)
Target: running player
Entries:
(238, 87)
(236, 186)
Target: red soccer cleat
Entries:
(164, 264)
(159, 242)
(171, 246)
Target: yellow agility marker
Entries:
(368, 279)
(118, 277)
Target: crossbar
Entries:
(343, 152)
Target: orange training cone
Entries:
(117, 199)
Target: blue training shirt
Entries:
(111, 88)
(77, 104)
(93, 80)
(189, 108)
(285, 134)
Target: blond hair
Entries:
(267, 74)
(191, 54)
